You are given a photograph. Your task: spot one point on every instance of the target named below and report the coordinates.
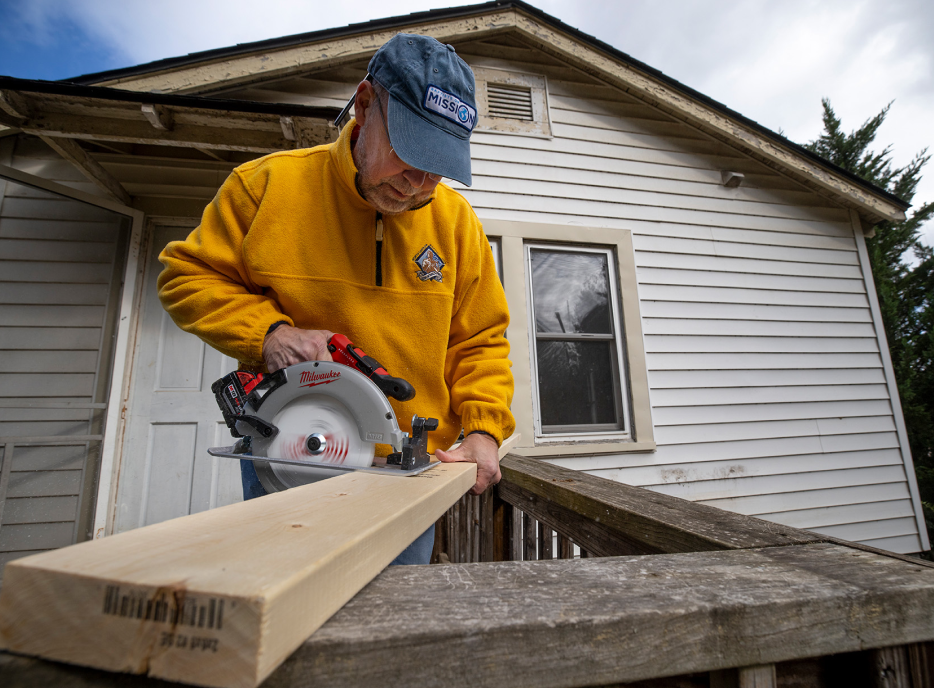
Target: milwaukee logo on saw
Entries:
(310, 379)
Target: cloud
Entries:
(145, 31)
(30, 22)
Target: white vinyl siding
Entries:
(60, 276)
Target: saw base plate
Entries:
(338, 469)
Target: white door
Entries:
(172, 417)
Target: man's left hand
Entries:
(479, 449)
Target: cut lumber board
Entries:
(222, 597)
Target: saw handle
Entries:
(343, 351)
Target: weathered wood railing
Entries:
(542, 512)
(719, 600)
(517, 521)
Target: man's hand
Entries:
(479, 449)
(287, 345)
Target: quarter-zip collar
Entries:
(344, 167)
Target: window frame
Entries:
(596, 431)
(496, 246)
(512, 237)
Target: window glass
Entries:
(575, 383)
(577, 351)
(571, 292)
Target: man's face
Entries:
(387, 183)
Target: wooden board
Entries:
(222, 597)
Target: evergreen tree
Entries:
(905, 287)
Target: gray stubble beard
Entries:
(370, 190)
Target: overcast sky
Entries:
(770, 60)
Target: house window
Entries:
(562, 410)
(575, 343)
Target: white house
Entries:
(692, 305)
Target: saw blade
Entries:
(320, 429)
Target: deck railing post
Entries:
(565, 547)
(488, 528)
(516, 552)
(545, 542)
(762, 676)
(501, 524)
(890, 667)
(475, 528)
(529, 544)
(921, 661)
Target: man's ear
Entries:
(366, 96)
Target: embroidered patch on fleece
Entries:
(450, 106)
(429, 263)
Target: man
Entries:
(359, 237)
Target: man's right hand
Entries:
(287, 345)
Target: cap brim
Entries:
(427, 147)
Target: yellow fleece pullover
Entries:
(288, 237)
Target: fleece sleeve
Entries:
(477, 366)
(205, 285)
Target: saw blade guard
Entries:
(324, 412)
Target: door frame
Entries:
(126, 321)
(137, 262)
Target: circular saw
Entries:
(318, 419)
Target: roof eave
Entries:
(56, 111)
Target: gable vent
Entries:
(511, 102)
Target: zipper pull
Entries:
(379, 226)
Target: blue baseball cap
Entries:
(432, 107)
